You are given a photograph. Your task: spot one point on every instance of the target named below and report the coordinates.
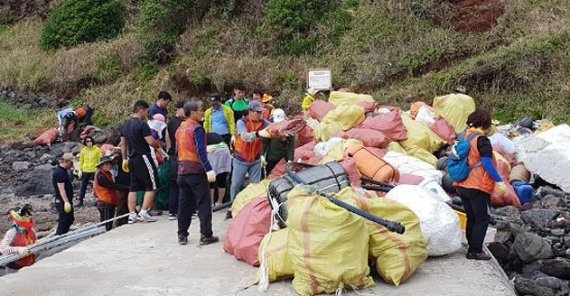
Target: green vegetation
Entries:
(19, 123)
(82, 21)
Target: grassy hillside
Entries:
(511, 55)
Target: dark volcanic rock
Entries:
(559, 268)
(549, 282)
(538, 217)
(38, 182)
(528, 287)
(531, 247)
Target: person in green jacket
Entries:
(89, 157)
(275, 149)
(239, 103)
(219, 119)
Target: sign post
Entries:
(319, 79)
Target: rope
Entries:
(263, 265)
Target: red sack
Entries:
(247, 230)
(377, 151)
(88, 131)
(368, 137)
(410, 179)
(444, 130)
(278, 171)
(319, 109)
(390, 124)
(353, 174)
(368, 106)
(286, 128)
(304, 136)
(510, 197)
(305, 152)
(105, 148)
(47, 137)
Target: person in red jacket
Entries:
(475, 191)
(107, 191)
(19, 237)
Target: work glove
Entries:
(210, 148)
(264, 133)
(263, 161)
(23, 251)
(79, 174)
(67, 207)
(233, 140)
(502, 188)
(125, 165)
(211, 176)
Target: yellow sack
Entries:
(278, 263)
(248, 194)
(397, 255)
(337, 152)
(455, 108)
(424, 155)
(419, 136)
(342, 118)
(338, 98)
(396, 147)
(328, 246)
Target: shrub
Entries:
(81, 21)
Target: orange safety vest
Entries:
(185, 143)
(249, 151)
(25, 236)
(104, 194)
(478, 177)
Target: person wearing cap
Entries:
(247, 150)
(268, 107)
(160, 106)
(219, 119)
(275, 149)
(89, 157)
(19, 237)
(239, 102)
(84, 113)
(63, 194)
(107, 191)
(194, 175)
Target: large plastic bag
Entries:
(247, 230)
(444, 130)
(250, 192)
(412, 166)
(510, 197)
(420, 136)
(372, 166)
(505, 143)
(342, 118)
(397, 255)
(328, 246)
(439, 223)
(319, 109)
(338, 98)
(396, 147)
(304, 136)
(455, 108)
(389, 123)
(47, 138)
(369, 137)
(334, 148)
(274, 257)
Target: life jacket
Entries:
(249, 151)
(25, 236)
(104, 194)
(185, 143)
(478, 177)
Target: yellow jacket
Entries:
(228, 113)
(89, 157)
(307, 102)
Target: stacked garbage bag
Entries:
(386, 162)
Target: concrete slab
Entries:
(145, 259)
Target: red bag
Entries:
(305, 152)
(278, 171)
(377, 151)
(390, 124)
(444, 130)
(247, 230)
(304, 136)
(353, 174)
(368, 106)
(105, 148)
(368, 137)
(286, 128)
(47, 137)
(510, 197)
(410, 179)
(319, 109)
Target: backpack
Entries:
(457, 163)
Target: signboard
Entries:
(319, 79)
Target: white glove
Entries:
(502, 188)
(23, 251)
(210, 148)
(211, 176)
(263, 161)
(79, 174)
(233, 140)
(264, 133)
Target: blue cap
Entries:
(255, 106)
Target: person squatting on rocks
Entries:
(219, 119)
(107, 191)
(475, 191)
(63, 194)
(69, 117)
(137, 141)
(172, 127)
(89, 157)
(194, 175)
(20, 235)
(247, 150)
(275, 149)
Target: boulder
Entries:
(47, 158)
(528, 287)
(549, 282)
(538, 217)
(37, 183)
(44, 167)
(531, 247)
(19, 166)
(559, 268)
(558, 232)
(499, 251)
(551, 202)
(509, 212)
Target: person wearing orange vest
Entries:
(19, 237)
(475, 191)
(194, 175)
(107, 191)
(247, 150)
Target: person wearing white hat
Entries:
(275, 149)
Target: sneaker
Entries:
(133, 218)
(182, 240)
(145, 217)
(171, 217)
(229, 215)
(478, 256)
(208, 240)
